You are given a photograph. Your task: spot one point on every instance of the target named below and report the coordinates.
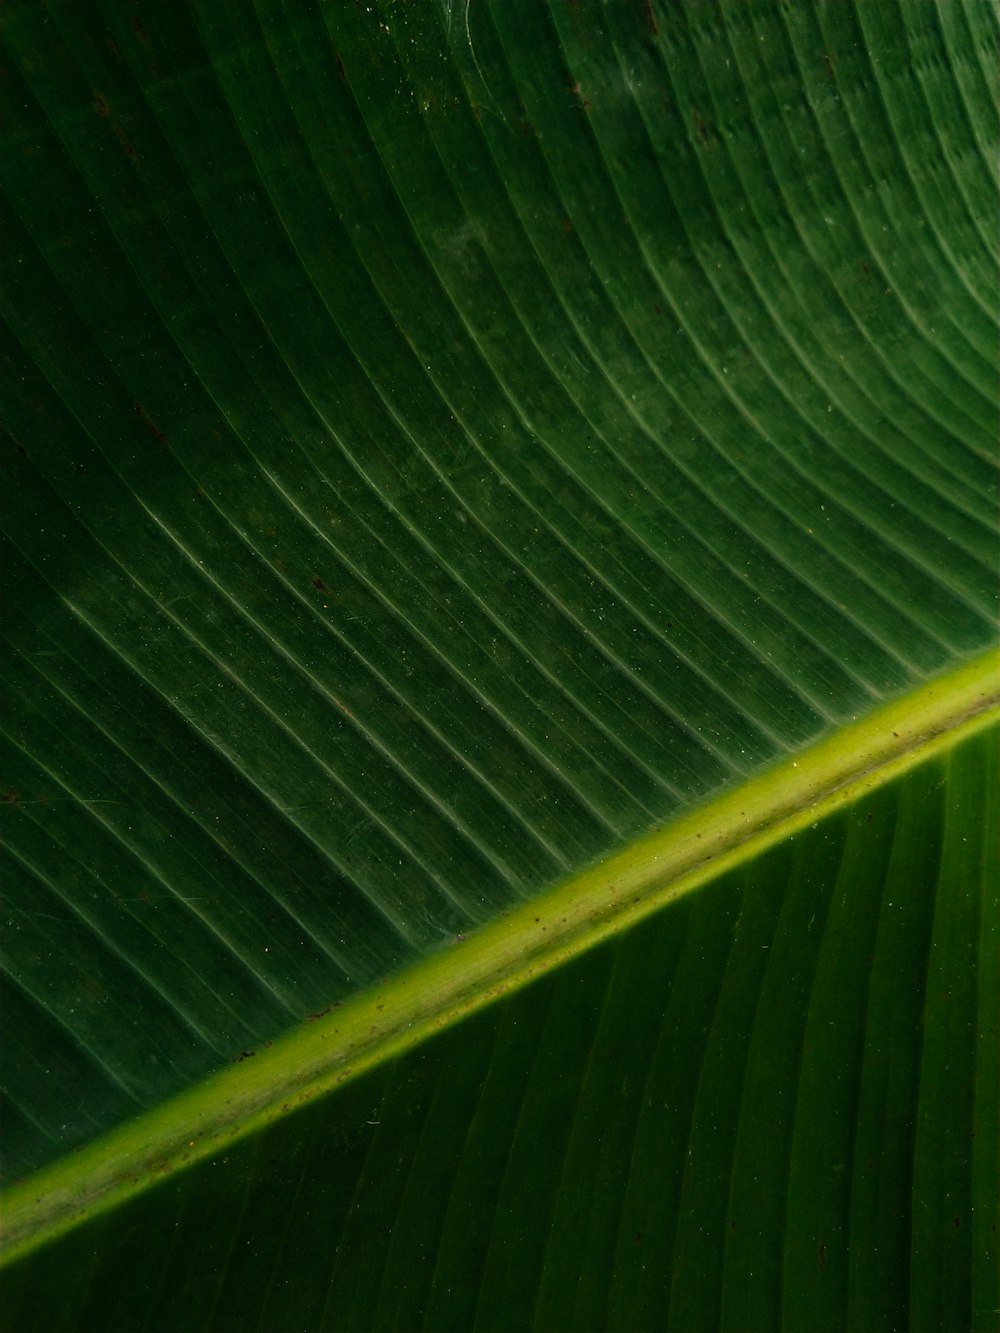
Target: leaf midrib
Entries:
(560, 924)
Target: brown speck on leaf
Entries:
(822, 1256)
(341, 71)
(150, 425)
(101, 105)
(584, 101)
(11, 797)
(320, 585)
(313, 1017)
(699, 125)
(138, 29)
(123, 140)
(649, 15)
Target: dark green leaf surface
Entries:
(443, 441)
(772, 1105)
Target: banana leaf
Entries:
(500, 766)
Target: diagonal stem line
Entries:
(558, 925)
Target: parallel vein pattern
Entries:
(442, 442)
(764, 1107)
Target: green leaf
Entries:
(500, 489)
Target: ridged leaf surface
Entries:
(444, 442)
